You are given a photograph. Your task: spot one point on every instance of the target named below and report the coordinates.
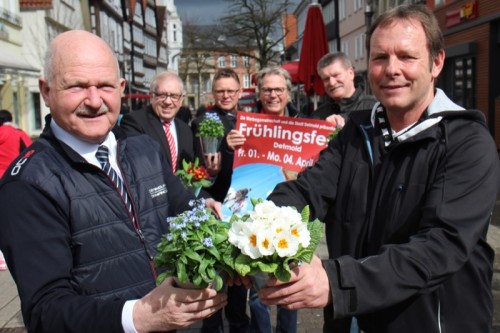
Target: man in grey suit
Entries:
(158, 119)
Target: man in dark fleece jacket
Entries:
(412, 184)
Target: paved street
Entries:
(310, 321)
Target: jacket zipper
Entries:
(134, 217)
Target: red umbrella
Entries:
(314, 46)
(291, 67)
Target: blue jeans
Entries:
(235, 311)
(260, 317)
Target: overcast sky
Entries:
(205, 11)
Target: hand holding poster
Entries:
(276, 149)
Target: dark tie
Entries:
(171, 144)
(103, 158)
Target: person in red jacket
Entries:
(12, 140)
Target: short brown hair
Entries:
(420, 13)
(226, 73)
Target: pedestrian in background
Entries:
(337, 73)
(274, 85)
(12, 140)
(413, 184)
(84, 208)
(226, 91)
(159, 121)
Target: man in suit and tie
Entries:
(158, 119)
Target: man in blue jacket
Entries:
(84, 208)
(412, 184)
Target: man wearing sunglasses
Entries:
(158, 120)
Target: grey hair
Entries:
(162, 76)
(332, 57)
(274, 70)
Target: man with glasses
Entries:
(158, 120)
(337, 73)
(226, 91)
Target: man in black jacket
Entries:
(337, 73)
(412, 184)
(226, 91)
(167, 94)
(84, 208)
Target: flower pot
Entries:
(194, 189)
(259, 280)
(210, 145)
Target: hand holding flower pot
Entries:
(211, 132)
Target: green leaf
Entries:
(181, 271)
(192, 255)
(282, 273)
(305, 214)
(242, 264)
(218, 283)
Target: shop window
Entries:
(458, 80)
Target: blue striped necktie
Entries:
(102, 156)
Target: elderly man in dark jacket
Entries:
(84, 208)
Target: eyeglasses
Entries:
(163, 97)
(230, 93)
(269, 91)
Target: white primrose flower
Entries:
(286, 244)
(300, 231)
(244, 236)
(265, 240)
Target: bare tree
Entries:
(197, 54)
(254, 25)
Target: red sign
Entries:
(292, 143)
(465, 13)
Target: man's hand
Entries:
(168, 308)
(308, 288)
(336, 120)
(235, 139)
(215, 206)
(212, 163)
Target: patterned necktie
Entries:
(171, 144)
(102, 156)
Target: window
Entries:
(234, 61)
(174, 32)
(35, 97)
(457, 80)
(438, 2)
(341, 10)
(222, 62)
(246, 81)
(359, 46)
(344, 47)
(246, 61)
(358, 4)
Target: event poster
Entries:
(276, 149)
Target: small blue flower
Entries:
(184, 235)
(208, 242)
(170, 237)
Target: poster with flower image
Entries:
(276, 149)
